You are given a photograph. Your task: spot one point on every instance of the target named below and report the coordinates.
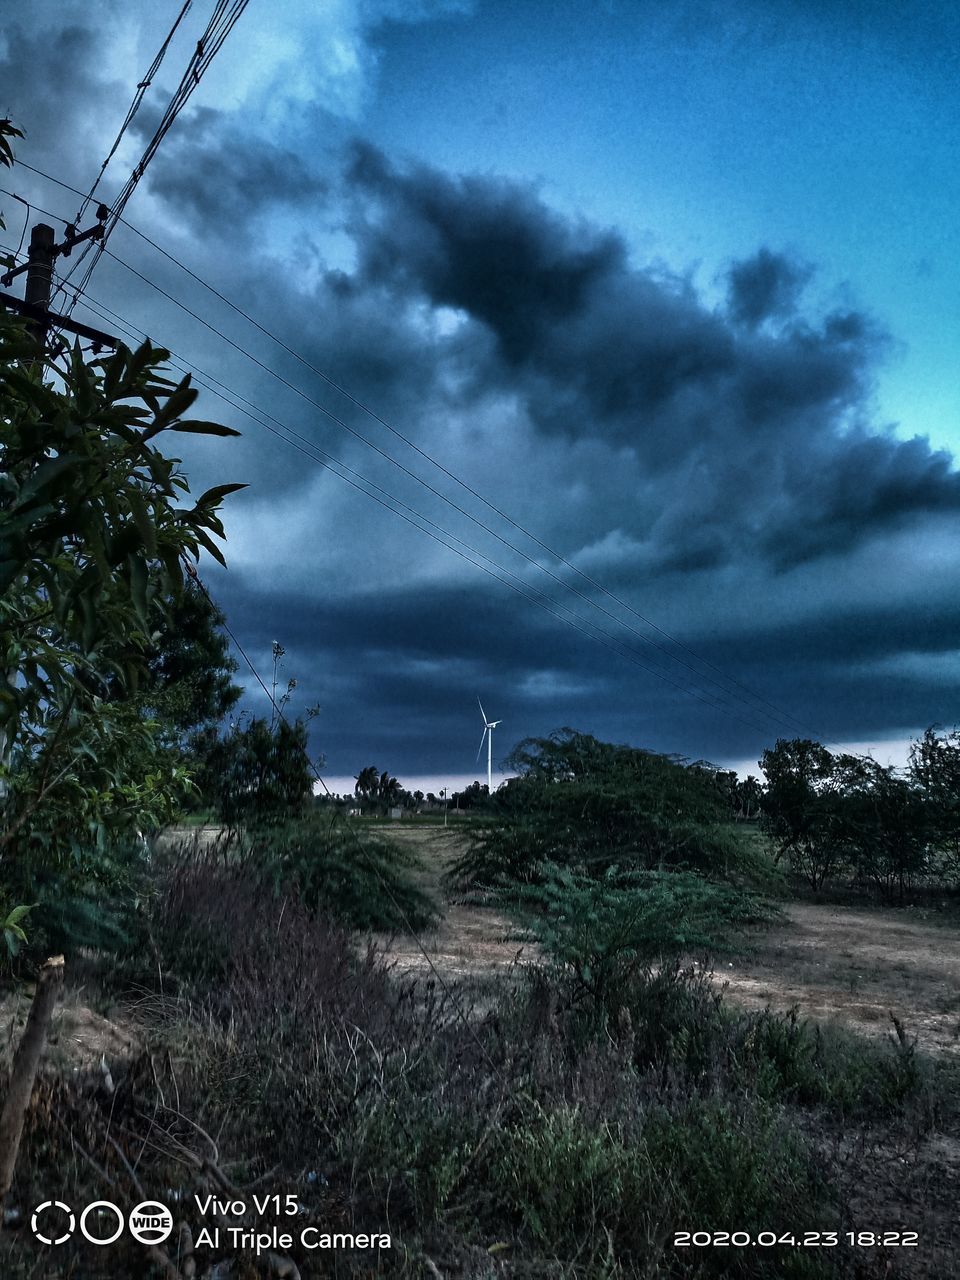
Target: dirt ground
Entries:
(851, 966)
(855, 967)
(470, 941)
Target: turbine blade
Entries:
(482, 736)
(482, 712)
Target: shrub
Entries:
(591, 805)
(602, 932)
(352, 877)
(619, 1192)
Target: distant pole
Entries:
(443, 794)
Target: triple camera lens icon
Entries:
(101, 1222)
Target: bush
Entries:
(607, 1192)
(591, 805)
(602, 932)
(794, 1060)
(352, 877)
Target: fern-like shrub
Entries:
(350, 876)
(602, 931)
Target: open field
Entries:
(852, 966)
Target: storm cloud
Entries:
(711, 448)
(755, 419)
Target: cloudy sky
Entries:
(619, 314)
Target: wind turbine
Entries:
(488, 728)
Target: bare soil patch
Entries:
(832, 963)
(469, 941)
(856, 967)
(79, 1036)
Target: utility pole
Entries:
(36, 292)
(35, 306)
(35, 303)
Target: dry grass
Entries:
(856, 967)
(835, 964)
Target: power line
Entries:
(435, 491)
(714, 700)
(778, 712)
(424, 524)
(134, 107)
(221, 23)
(491, 567)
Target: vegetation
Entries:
(835, 817)
(93, 535)
(585, 804)
(605, 931)
(537, 1135)
(565, 1122)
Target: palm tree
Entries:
(368, 782)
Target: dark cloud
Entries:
(51, 87)
(718, 465)
(209, 173)
(484, 246)
(425, 655)
(754, 421)
(766, 286)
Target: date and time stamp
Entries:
(882, 1239)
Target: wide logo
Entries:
(53, 1222)
(151, 1222)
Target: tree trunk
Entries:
(24, 1072)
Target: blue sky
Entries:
(676, 287)
(704, 130)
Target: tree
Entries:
(893, 840)
(389, 792)
(94, 532)
(188, 684)
(800, 809)
(935, 769)
(834, 813)
(368, 783)
(582, 803)
(257, 776)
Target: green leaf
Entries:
(141, 518)
(138, 585)
(197, 427)
(211, 546)
(213, 497)
(45, 474)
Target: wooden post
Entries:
(25, 1064)
(40, 276)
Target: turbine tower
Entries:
(488, 728)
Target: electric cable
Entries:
(608, 640)
(134, 107)
(224, 17)
(779, 713)
(424, 524)
(340, 422)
